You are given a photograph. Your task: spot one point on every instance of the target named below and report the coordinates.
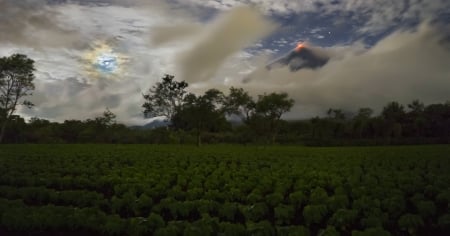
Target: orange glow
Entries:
(299, 47)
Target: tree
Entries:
(364, 113)
(337, 119)
(416, 107)
(16, 82)
(336, 114)
(108, 119)
(361, 122)
(437, 120)
(415, 118)
(239, 103)
(164, 98)
(100, 129)
(201, 113)
(268, 112)
(394, 114)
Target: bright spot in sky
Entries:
(102, 59)
(107, 62)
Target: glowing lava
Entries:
(299, 46)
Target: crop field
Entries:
(223, 190)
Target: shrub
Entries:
(336, 202)
(143, 205)
(318, 196)
(169, 230)
(371, 232)
(297, 198)
(263, 228)
(426, 209)
(254, 197)
(255, 212)
(329, 231)
(194, 194)
(284, 214)
(314, 213)
(228, 211)
(274, 199)
(227, 228)
(137, 226)
(372, 221)
(292, 231)
(114, 225)
(343, 218)
(444, 222)
(410, 222)
(155, 221)
(394, 205)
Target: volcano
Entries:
(299, 58)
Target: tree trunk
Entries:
(3, 129)
(199, 138)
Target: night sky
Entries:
(96, 54)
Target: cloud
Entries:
(34, 24)
(404, 66)
(266, 6)
(165, 34)
(371, 16)
(64, 87)
(75, 98)
(229, 34)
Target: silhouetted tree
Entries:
(268, 111)
(336, 114)
(416, 107)
(239, 103)
(415, 120)
(16, 82)
(394, 115)
(164, 98)
(361, 122)
(393, 112)
(107, 119)
(16, 130)
(201, 113)
(437, 118)
(337, 118)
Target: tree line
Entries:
(216, 117)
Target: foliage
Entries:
(239, 103)
(16, 82)
(201, 113)
(223, 190)
(164, 98)
(419, 125)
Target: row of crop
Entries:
(355, 185)
(336, 210)
(15, 216)
(430, 205)
(37, 196)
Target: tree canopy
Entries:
(164, 98)
(16, 82)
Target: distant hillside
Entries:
(152, 125)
